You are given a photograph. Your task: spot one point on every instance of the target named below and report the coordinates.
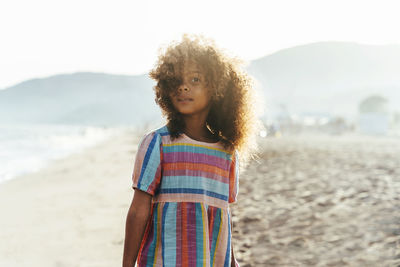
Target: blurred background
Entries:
(73, 77)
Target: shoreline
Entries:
(38, 146)
(72, 212)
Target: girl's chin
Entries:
(185, 112)
(184, 109)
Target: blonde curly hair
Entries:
(232, 116)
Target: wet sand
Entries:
(308, 202)
(73, 212)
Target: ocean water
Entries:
(28, 148)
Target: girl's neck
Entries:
(197, 129)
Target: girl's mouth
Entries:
(186, 99)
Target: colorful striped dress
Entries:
(192, 184)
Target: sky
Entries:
(42, 38)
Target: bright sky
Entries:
(46, 37)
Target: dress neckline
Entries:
(218, 143)
(201, 142)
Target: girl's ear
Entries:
(217, 96)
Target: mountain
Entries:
(329, 77)
(81, 98)
(324, 77)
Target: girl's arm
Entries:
(233, 262)
(136, 222)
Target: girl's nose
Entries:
(183, 88)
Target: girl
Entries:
(186, 173)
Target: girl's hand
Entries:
(136, 222)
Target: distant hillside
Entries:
(329, 76)
(326, 77)
(81, 98)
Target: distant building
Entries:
(373, 116)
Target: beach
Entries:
(71, 213)
(321, 201)
(308, 201)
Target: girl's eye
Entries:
(195, 79)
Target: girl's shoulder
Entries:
(161, 131)
(154, 134)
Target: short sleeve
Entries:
(146, 174)
(234, 178)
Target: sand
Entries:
(71, 213)
(309, 201)
(320, 201)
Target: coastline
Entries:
(72, 212)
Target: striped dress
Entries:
(192, 184)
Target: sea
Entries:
(26, 148)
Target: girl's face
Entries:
(192, 96)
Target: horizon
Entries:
(145, 72)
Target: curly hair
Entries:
(232, 117)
